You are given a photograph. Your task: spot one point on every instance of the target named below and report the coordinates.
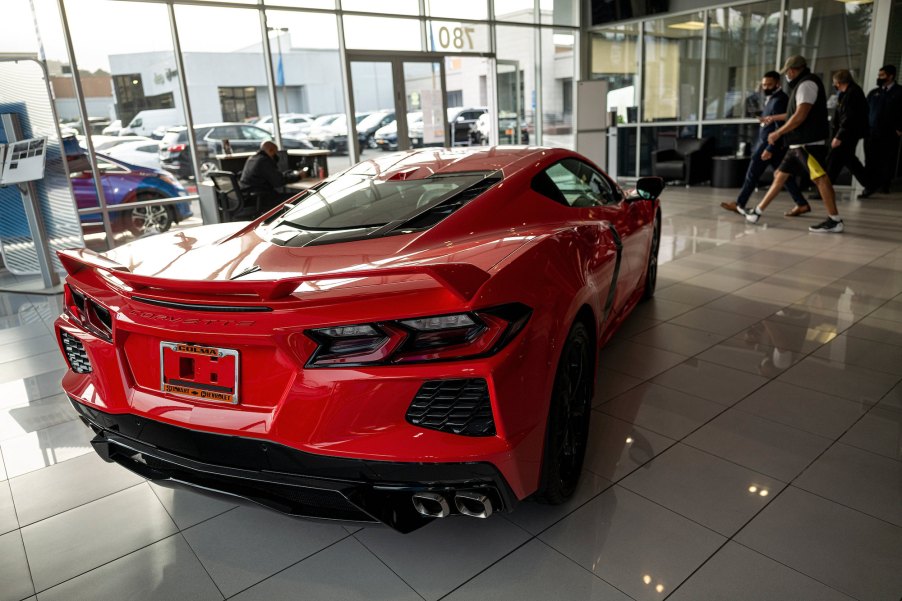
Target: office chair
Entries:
(231, 203)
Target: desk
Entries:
(311, 160)
(303, 184)
(729, 171)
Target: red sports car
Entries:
(412, 338)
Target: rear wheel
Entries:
(651, 269)
(567, 433)
(148, 219)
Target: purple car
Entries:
(123, 183)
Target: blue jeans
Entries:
(757, 167)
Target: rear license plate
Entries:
(203, 373)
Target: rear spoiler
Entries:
(461, 279)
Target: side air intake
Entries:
(75, 353)
(459, 406)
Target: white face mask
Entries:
(788, 78)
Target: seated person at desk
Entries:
(261, 177)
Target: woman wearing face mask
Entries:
(881, 146)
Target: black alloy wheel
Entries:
(651, 270)
(568, 419)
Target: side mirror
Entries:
(647, 188)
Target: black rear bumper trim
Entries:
(283, 478)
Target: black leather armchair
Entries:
(689, 162)
(231, 203)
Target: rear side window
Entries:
(575, 184)
(360, 201)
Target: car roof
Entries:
(424, 162)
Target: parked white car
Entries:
(144, 153)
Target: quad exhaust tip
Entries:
(431, 504)
(473, 504)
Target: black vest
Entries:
(815, 127)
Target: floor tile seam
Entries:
(679, 325)
(73, 418)
(392, 570)
(839, 440)
(88, 571)
(885, 521)
(80, 505)
(727, 406)
(491, 565)
(575, 508)
(724, 408)
(36, 400)
(796, 570)
(811, 355)
(34, 588)
(172, 517)
(29, 353)
(26, 337)
(685, 517)
(193, 552)
(733, 536)
(293, 564)
(778, 422)
(850, 334)
(639, 466)
(590, 572)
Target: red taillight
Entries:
(92, 316)
(177, 147)
(75, 302)
(436, 338)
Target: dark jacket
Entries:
(261, 175)
(886, 110)
(776, 105)
(815, 127)
(850, 121)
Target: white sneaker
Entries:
(827, 226)
(752, 216)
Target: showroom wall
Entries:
(694, 73)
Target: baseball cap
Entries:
(796, 61)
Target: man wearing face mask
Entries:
(882, 145)
(850, 124)
(765, 153)
(806, 131)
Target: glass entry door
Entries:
(385, 88)
(511, 119)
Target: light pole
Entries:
(280, 72)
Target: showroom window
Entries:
(742, 46)
(831, 35)
(615, 59)
(672, 67)
(238, 104)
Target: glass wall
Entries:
(742, 47)
(672, 67)
(615, 59)
(701, 70)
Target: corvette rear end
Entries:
(374, 371)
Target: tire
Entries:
(371, 143)
(144, 220)
(651, 268)
(567, 432)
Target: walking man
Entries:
(806, 131)
(850, 124)
(882, 145)
(765, 153)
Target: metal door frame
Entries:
(396, 59)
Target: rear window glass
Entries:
(358, 200)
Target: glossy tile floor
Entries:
(746, 445)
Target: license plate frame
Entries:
(205, 391)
